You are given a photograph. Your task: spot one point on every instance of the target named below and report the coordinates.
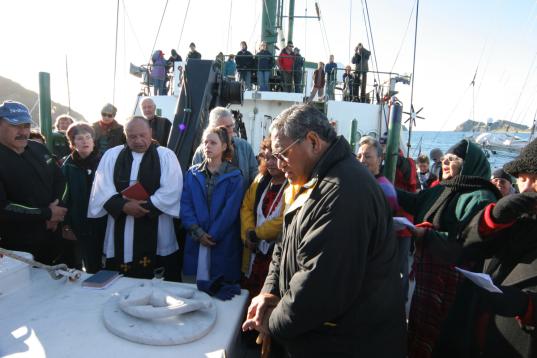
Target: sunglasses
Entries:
(281, 154)
(450, 158)
(109, 115)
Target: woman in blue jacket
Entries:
(210, 207)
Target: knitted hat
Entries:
(109, 109)
(436, 153)
(15, 113)
(459, 149)
(526, 162)
(501, 174)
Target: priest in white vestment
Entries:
(138, 186)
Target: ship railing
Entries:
(344, 89)
(279, 80)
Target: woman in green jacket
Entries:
(443, 212)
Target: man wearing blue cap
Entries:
(31, 187)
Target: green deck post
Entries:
(268, 24)
(45, 113)
(354, 132)
(291, 20)
(394, 134)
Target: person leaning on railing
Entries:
(245, 64)
(298, 69)
(265, 63)
(285, 62)
(230, 67)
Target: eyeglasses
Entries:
(450, 158)
(281, 156)
(269, 157)
(109, 115)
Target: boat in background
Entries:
(500, 142)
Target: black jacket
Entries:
(29, 182)
(161, 130)
(511, 260)
(360, 59)
(336, 268)
(244, 60)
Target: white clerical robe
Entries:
(167, 199)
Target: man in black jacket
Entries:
(333, 287)
(360, 59)
(160, 126)
(31, 188)
(245, 64)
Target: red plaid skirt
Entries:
(436, 286)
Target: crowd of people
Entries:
(305, 225)
(270, 72)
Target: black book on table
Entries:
(101, 279)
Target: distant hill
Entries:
(14, 91)
(496, 126)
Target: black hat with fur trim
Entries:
(526, 162)
(459, 149)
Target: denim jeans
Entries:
(263, 80)
(246, 76)
(158, 87)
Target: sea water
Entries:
(422, 142)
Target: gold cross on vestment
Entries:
(145, 261)
(125, 267)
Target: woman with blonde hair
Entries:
(210, 204)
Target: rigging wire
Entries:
(448, 117)
(524, 85)
(409, 144)
(371, 45)
(255, 25)
(304, 53)
(350, 30)
(68, 89)
(404, 36)
(158, 31)
(365, 24)
(322, 36)
(326, 37)
(229, 25)
(115, 55)
(126, 14)
(183, 25)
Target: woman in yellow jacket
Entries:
(261, 219)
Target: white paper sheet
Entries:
(481, 279)
(400, 223)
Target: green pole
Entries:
(268, 24)
(394, 134)
(291, 20)
(45, 113)
(354, 132)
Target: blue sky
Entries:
(453, 38)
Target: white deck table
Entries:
(62, 319)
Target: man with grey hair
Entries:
(243, 155)
(160, 126)
(333, 287)
(138, 186)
